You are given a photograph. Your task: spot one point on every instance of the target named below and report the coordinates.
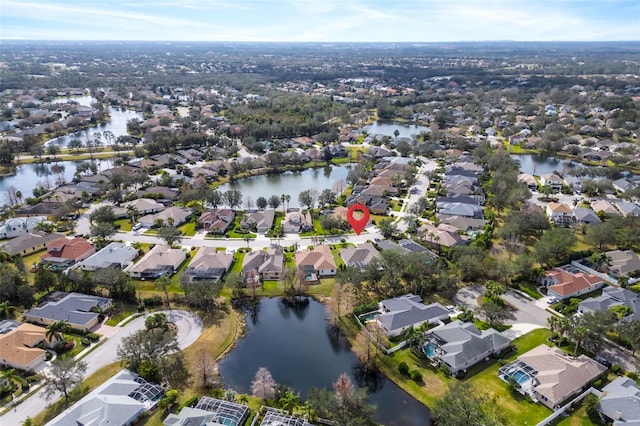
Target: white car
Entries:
(552, 301)
(136, 227)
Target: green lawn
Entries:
(188, 229)
(238, 258)
(123, 224)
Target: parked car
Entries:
(136, 226)
(552, 301)
(602, 361)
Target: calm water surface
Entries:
(291, 183)
(387, 128)
(538, 165)
(297, 347)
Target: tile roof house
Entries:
(317, 263)
(570, 282)
(174, 214)
(604, 206)
(209, 264)
(627, 208)
(261, 220)
(442, 236)
(19, 226)
(267, 265)
(121, 400)
(297, 221)
(623, 185)
(361, 256)
(585, 215)
(551, 376)
(19, 347)
(613, 296)
(552, 180)
(217, 221)
(529, 180)
(406, 311)
(79, 310)
(620, 402)
(463, 223)
(29, 243)
(114, 255)
(165, 194)
(623, 262)
(144, 206)
(159, 261)
(461, 209)
(63, 253)
(560, 214)
(459, 345)
(210, 411)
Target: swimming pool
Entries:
(369, 316)
(429, 349)
(520, 376)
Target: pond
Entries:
(29, 176)
(117, 123)
(290, 183)
(539, 165)
(297, 346)
(387, 128)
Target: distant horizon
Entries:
(329, 21)
(328, 43)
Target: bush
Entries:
(153, 301)
(403, 368)
(85, 341)
(48, 355)
(615, 368)
(416, 376)
(191, 402)
(632, 375)
(93, 337)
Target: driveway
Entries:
(189, 329)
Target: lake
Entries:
(539, 165)
(117, 123)
(387, 128)
(29, 176)
(291, 183)
(296, 345)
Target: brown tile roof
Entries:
(68, 249)
(17, 346)
(569, 283)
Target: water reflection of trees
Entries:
(373, 380)
(253, 312)
(337, 339)
(299, 308)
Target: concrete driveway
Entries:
(189, 329)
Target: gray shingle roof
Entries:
(74, 308)
(114, 255)
(408, 310)
(621, 401)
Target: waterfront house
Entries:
(261, 221)
(115, 255)
(559, 214)
(317, 263)
(361, 256)
(217, 221)
(266, 265)
(406, 311)
(209, 264)
(64, 252)
(159, 261)
(17, 226)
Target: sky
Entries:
(321, 20)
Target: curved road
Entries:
(189, 329)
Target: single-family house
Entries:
(585, 215)
(171, 215)
(261, 221)
(406, 311)
(619, 403)
(550, 375)
(19, 226)
(605, 207)
(623, 185)
(274, 417)
(359, 257)
(143, 206)
(627, 208)
(613, 296)
(29, 243)
(622, 262)
(560, 214)
(209, 264)
(297, 221)
(442, 235)
(564, 283)
(79, 310)
(121, 400)
(460, 209)
(19, 347)
(162, 194)
(316, 263)
(211, 411)
(265, 265)
(159, 261)
(552, 180)
(460, 345)
(65, 252)
(464, 224)
(114, 255)
(217, 221)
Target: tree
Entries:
(274, 202)
(153, 345)
(261, 203)
(578, 334)
(103, 214)
(602, 234)
(170, 234)
(205, 370)
(345, 405)
(63, 376)
(6, 309)
(263, 385)
(202, 294)
(75, 143)
(463, 406)
(387, 227)
(57, 330)
(326, 197)
(601, 261)
(493, 290)
(289, 401)
(493, 313)
(156, 321)
(163, 284)
(305, 199)
(214, 198)
(9, 379)
(554, 245)
(233, 198)
(102, 229)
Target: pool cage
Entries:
(147, 393)
(523, 374)
(277, 418)
(225, 412)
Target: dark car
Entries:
(602, 361)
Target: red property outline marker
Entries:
(358, 224)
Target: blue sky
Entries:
(321, 20)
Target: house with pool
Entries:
(460, 345)
(551, 376)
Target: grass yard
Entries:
(31, 260)
(238, 258)
(120, 312)
(188, 229)
(123, 224)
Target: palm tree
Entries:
(132, 213)
(10, 380)
(553, 323)
(163, 284)
(57, 330)
(601, 261)
(6, 309)
(623, 281)
(289, 401)
(579, 333)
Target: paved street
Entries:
(189, 329)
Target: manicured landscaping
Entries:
(188, 229)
